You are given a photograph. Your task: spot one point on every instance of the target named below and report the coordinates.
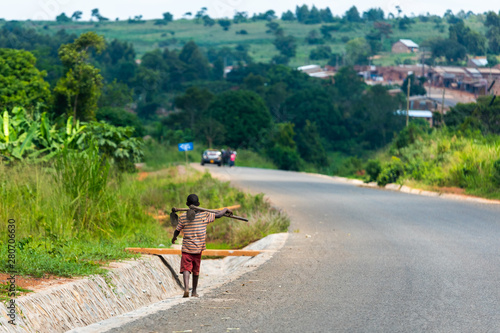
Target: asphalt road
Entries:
(375, 261)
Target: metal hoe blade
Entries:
(174, 219)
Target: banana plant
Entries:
(73, 132)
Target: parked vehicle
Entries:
(212, 156)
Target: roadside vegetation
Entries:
(460, 155)
(69, 225)
(69, 182)
(78, 110)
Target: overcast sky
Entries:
(150, 9)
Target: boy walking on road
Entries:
(194, 241)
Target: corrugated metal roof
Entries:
(479, 62)
(409, 43)
(493, 71)
(416, 113)
(309, 68)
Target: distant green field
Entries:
(148, 36)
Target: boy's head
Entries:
(192, 199)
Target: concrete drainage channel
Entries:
(131, 290)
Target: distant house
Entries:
(477, 62)
(309, 69)
(316, 71)
(399, 73)
(404, 46)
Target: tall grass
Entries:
(162, 155)
(76, 215)
(446, 159)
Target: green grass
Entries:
(249, 158)
(160, 156)
(5, 293)
(58, 234)
(148, 36)
(436, 160)
(453, 160)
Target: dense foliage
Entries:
(38, 139)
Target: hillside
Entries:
(147, 36)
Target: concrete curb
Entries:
(391, 187)
(409, 190)
(214, 274)
(128, 286)
(131, 290)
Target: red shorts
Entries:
(191, 263)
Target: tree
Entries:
(275, 97)
(167, 17)
(451, 50)
(273, 27)
(316, 105)
(95, 13)
(286, 45)
(314, 16)
(245, 114)
(385, 29)
(404, 23)
(288, 16)
(197, 64)
(283, 149)
(207, 21)
(321, 52)
(115, 94)
(352, 15)
(194, 102)
(240, 17)
(349, 86)
(416, 86)
(314, 38)
(326, 15)
(63, 18)
(309, 145)
(118, 116)
(77, 15)
(376, 118)
(79, 90)
(225, 24)
(483, 115)
(493, 34)
(21, 83)
(475, 43)
(357, 51)
(302, 13)
(374, 14)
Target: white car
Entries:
(212, 156)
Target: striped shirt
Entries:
(195, 232)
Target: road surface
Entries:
(357, 260)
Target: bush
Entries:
(373, 169)
(285, 158)
(391, 172)
(410, 134)
(496, 172)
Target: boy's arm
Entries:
(174, 238)
(223, 212)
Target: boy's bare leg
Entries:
(186, 274)
(195, 285)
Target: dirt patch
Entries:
(142, 175)
(35, 284)
(452, 190)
